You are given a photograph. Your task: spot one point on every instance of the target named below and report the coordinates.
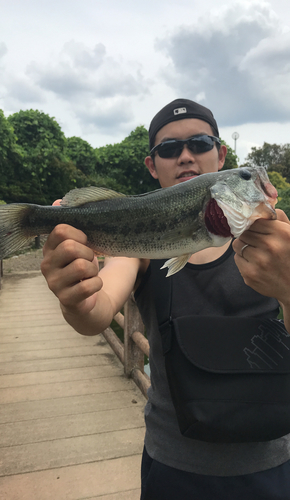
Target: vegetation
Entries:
(231, 158)
(38, 164)
(276, 159)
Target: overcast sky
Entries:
(101, 68)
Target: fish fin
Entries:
(14, 230)
(177, 233)
(176, 264)
(92, 194)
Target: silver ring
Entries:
(242, 251)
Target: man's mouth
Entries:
(187, 175)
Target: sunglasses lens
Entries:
(170, 149)
(173, 148)
(200, 144)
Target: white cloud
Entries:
(3, 49)
(236, 60)
(80, 70)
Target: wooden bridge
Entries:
(71, 421)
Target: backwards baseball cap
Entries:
(179, 110)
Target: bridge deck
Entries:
(71, 423)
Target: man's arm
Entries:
(88, 299)
(265, 265)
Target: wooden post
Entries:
(134, 357)
(37, 242)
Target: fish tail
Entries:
(15, 229)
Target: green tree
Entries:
(273, 157)
(40, 172)
(283, 188)
(121, 166)
(82, 155)
(43, 143)
(231, 158)
(8, 140)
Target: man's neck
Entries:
(209, 254)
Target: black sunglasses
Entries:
(196, 144)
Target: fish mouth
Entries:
(270, 192)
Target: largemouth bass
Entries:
(171, 223)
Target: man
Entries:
(175, 466)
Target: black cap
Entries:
(179, 110)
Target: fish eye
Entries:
(245, 174)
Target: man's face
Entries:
(170, 171)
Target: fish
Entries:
(168, 223)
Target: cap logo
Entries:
(179, 111)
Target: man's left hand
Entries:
(263, 257)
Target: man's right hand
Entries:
(71, 270)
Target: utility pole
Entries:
(235, 136)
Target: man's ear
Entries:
(151, 167)
(222, 156)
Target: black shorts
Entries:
(160, 482)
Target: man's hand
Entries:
(71, 270)
(264, 262)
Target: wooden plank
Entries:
(53, 376)
(80, 482)
(125, 495)
(50, 354)
(45, 344)
(38, 392)
(71, 451)
(36, 334)
(20, 332)
(66, 426)
(32, 410)
(55, 363)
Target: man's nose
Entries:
(186, 155)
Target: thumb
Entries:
(282, 216)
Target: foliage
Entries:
(38, 171)
(273, 157)
(82, 154)
(38, 164)
(37, 131)
(276, 159)
(8, 140)
(283, 188)
(231, 158)
(121, 166)
(278, 181)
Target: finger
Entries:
(61, 233)
(281, 216)
(245, 252)
(68, 251)
(262, 226)
(78, 270)
(75, 296)
(56, 203)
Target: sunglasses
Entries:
(173, 147)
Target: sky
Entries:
(102, 68)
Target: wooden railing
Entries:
(131, 352)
